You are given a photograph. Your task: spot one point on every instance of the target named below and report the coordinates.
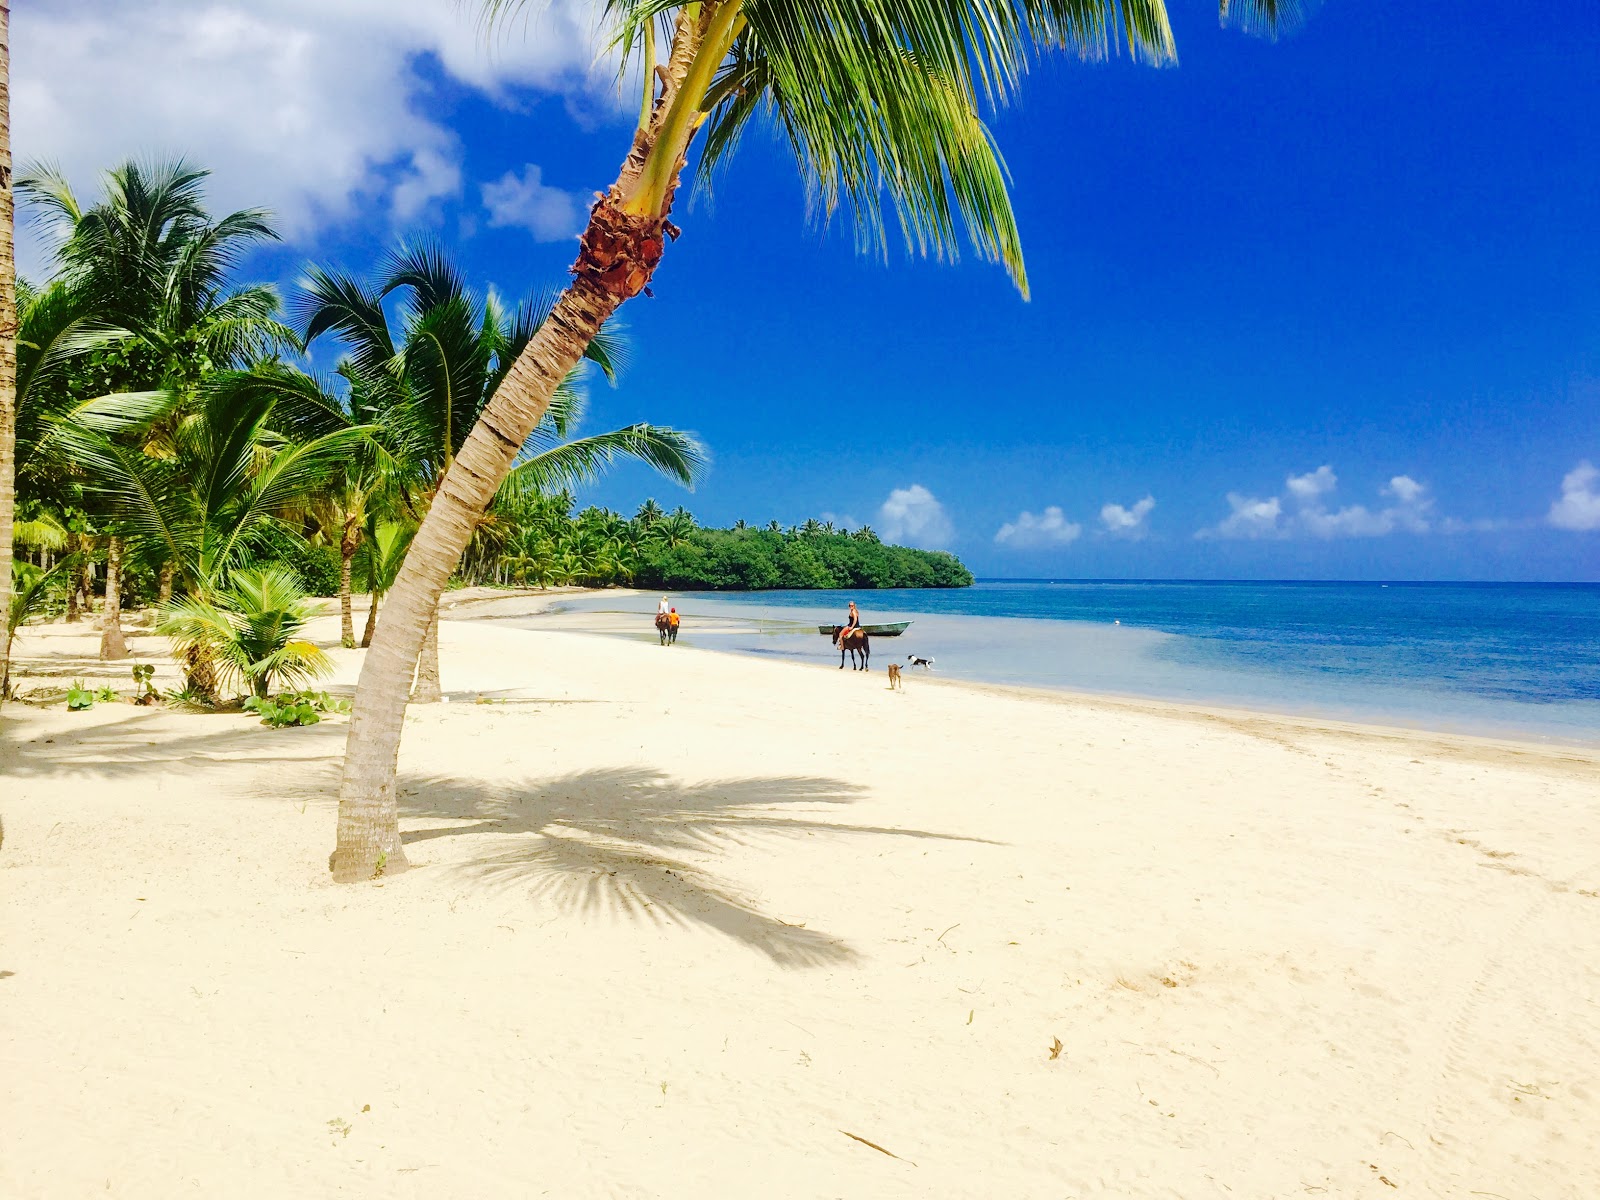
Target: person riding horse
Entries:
(852, 636)
(853, 621)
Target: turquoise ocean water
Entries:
(1517, 659)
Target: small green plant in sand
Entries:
(79, 697)
(145, 691)
(190, 699)
(295, 708)
(106, 694)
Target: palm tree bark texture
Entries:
(8, 333)
(348, 544)
(618, 253)
(113, 645)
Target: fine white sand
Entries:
(690, 925)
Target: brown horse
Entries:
(857, 644)
(663, 627)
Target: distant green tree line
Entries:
(541, 542)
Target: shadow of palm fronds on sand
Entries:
(631, 842)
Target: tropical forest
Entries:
(178, 450)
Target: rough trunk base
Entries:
(390, 859)
(113, 645)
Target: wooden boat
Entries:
(893, 629)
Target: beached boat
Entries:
(893, 629)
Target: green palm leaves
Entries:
(149, 257)
(880, 101)
(423, 383)
(250, 632)
(207, 496)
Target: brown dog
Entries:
(894, 676)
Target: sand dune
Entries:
(690, 925)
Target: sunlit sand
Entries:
(688, 924)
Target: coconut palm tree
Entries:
(206, 502)
(879, 101)
(430, 378)
(8, 338)
(148, 257)
(377, 563)
(250, 630)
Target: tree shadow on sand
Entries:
(621, 842)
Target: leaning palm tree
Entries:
(879, 101)
(429, 379)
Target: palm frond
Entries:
(337, 302)
(674, 453)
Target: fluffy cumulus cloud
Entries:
(1579, 506)
(548, 213)
(1251, 517)
(1127, 522)
(1304, 509)
(1307, 488)
(317, 109)
(1049, 528)
(913, 516)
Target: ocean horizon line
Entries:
(1066, 580)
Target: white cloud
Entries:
(548, 213)
(1127, 522)
(317, 109)
(1307, 514)
(1579, 506)
(1405, 489)
(1049, 528)
(1251, 518)
(1308, 487)
(912, 516)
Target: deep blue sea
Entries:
(1520, 659)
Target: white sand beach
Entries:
(684, 924)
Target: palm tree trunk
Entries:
(347, 552)
(369, 829)
(372, 622)
(164, 584)
(8, 338)
(425, 690)
(617, 256)
(75, 597)
(112, 644)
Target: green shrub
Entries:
(293, 709)
(79, 697)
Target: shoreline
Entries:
(552, 606)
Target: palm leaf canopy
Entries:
(223, 477)
(425, 354)
(880, 100)
(149, 257)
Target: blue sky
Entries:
(1368, 247)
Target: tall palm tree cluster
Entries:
(540, 542)
(172, 446)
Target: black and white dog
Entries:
(925, 663)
